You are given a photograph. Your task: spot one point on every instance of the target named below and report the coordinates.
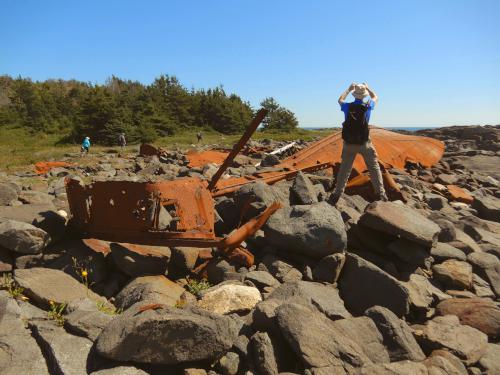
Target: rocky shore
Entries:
(404, 287)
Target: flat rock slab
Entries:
(480, 313)
(315, 230)
(44, 285)
(86, 319)
(400, 220)
(363, 285)
(399, 368)
(167, 335)
(446, 332)
(443, 251)
(65, 353)
(423, 293)
(149, 289)
(488, 207)
(22, 237)
(324, 298)
(229, 298)
(489, 362)
(120, 370)
(453, 274)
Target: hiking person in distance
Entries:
(122, 141)
(85, 145)
(356, 136)
(199, 137)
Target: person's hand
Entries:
(366, 84)
(351, 88)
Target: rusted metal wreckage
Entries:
(181, 212)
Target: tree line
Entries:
(143, 112)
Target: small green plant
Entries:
(8, 283)
(56, 312)
(108, 309)
(196, 286)
(82, 270)
(180, 303)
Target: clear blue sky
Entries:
(431, 62)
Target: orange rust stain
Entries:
(458, 194)
(97, 245)
(153, 306)
(198, 159)
(43, 167)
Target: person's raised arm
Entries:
(345, 93)
(373, 96)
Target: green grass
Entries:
(19, 149)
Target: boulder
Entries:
(6, 260)
(489, 362)
(443, 251)
(35, 197)
(422, 293)
(264, 356)
(453, 274)
(140, 260)
(281, 270)
(435, 201)
(480, 313)
(446, 332)
(22, 237)
(253, 198)
(261, 279)
(487, 266)
(229, 364)
(19, 352)
(314, 231)
(88, 318)
(363, 331)
(185, 258)
(328, 269)
(149, 289)
(400, 220)
(7, 194)
(411, 253)
(44, 285)
(447, 232)
(303, 190)
(481, 287)
(120, 370)
(363, 285)
(487, 206)
(397, 335)
(315, 341)
(269, 160)
(229, 298)
(399, 368)
(442, 362)
(65, 353)
(324, 298)
(167, 335)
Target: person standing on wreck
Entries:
(355, 133)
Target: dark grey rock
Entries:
(435, 201)
(255, 197)
(422, 293)
(65, 353)
(363, 285)
(269, 160)
(400, 220)
(264, 356)
(6, 260)
(397, 335)
(443, 251)
(363, 331)
(229, 364)
(488, 207)
(22, 237)
(314, 339)
(328, 269)
(262, 279)
(325, 298)
(206, 335)
(411, 253)
(487, 266)
(303, 190)
(86, 319)
(184, 258)
(281, 270)
(315, 230)
(447, 232)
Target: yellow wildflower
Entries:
(84, 273)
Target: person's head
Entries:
(360, 91)
(87, 138)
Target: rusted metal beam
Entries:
(238, 146)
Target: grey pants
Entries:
(349, 152)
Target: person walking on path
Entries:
(122, 141)
(199, 136)
(355, 133)
(85, 145)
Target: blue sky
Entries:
(431, 62)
